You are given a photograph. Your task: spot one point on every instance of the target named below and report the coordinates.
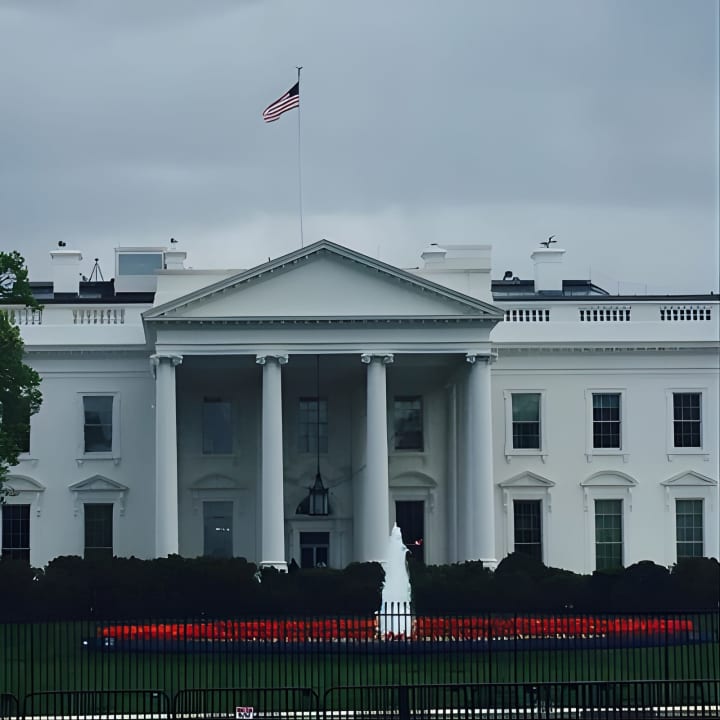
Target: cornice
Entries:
(98, 352)
(329, 320)
(597, 349)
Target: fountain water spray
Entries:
(395, 619)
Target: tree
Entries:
(19, 384)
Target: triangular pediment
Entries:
(527, 480)
(323, 280)
(689, 479)
(98, 483)
(609, 479)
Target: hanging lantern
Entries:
(318, 504)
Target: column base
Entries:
(279, 565)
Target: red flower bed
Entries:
(473, 628)
(424, 628)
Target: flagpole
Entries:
(300, 195)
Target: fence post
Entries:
(404, 702)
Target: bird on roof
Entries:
(548, 242)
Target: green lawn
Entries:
(51, 656)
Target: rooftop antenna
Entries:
(548, 242)
(96, 274)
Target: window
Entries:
(606, 420)
(408, 425)
(24, 439)
(687, 420)
(98, 423)
(314, 549)
(22, 432)
(526, 421)
(139, 263)
(689, 528)
(216, 427)
(608, 534)
(528, 527)
(16, 532)
(311, 428)
(98, 531)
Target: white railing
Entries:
(22, 315)
(98, 316)
(614, 313)
(676, 313)
(527, 315)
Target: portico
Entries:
(390, 335)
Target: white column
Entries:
(480, 459)
(272, 509)
(372, 516)
(167, 540)
(467, 511)
(452, 475)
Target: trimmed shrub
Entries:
(181, 588)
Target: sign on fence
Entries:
(244, 712)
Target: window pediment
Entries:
(689, 479)
(214, 487)
(215, 482)
(527, 480)
(101, 489)
(23, 484)
(98, 483)
(17, 485)
(413, 479)
(609, 479)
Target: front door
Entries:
(218, 529)
(314, 549)
(410, 518)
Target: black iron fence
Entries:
(419, 667)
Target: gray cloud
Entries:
(133, 120)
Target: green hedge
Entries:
(523, 584)
(175, 587)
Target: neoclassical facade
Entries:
(294, 411)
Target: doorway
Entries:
(410, 518)
(218, 529)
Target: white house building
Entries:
(295, 410)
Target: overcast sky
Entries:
(127, 123)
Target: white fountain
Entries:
(394, 618)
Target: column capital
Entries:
(174, 358)
(262, 359)
(489, 358)
(387, 358)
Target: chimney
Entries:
(465, 268)
(66, 271)
(175, 259)
(433, 254)
(548, 270)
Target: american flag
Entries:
(290, 100)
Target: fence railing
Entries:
(619, 700)
(208, 667)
